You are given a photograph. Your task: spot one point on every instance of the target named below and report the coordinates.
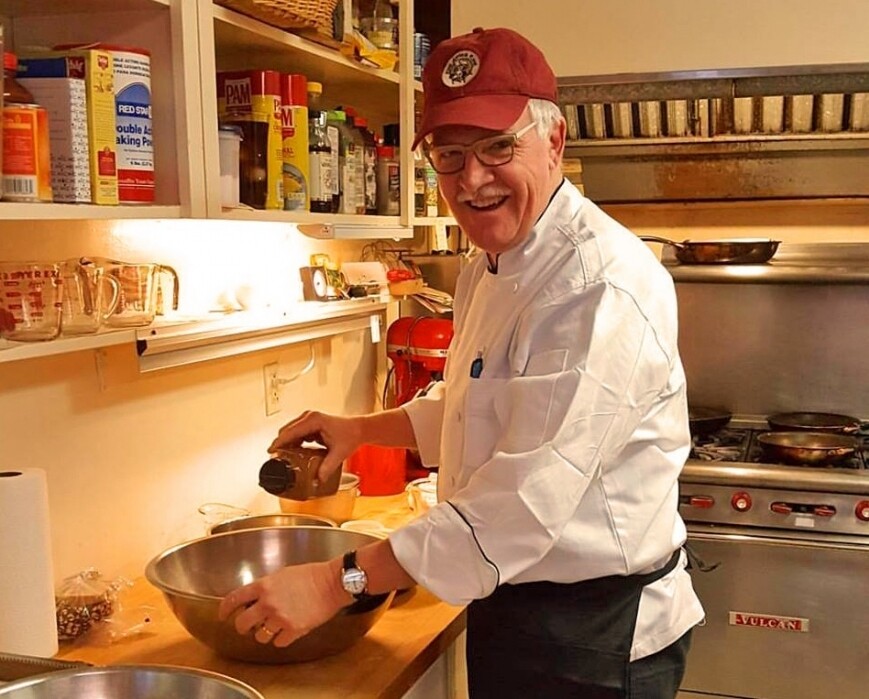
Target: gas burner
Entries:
(724, 445)
(734, 444)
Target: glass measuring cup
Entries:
(31, 296)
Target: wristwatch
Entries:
(353, 579)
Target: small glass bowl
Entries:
(380, 31)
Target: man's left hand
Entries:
(287, 604)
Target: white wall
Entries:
(592, 37)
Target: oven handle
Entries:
(742, 535)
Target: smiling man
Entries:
(559, 430)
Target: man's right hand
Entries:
(340, 435)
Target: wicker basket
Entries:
(288, 14)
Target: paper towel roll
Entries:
(28, 625)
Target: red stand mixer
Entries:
(418, 350)
(417, 347)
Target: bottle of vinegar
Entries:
(320, 163)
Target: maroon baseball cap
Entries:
(483, 79)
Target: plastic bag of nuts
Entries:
(82, 600)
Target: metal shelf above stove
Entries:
(717, 135)
(794, 263)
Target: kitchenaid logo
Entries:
(768, 621)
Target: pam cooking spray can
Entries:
(294, 135)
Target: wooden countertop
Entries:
(385, 663)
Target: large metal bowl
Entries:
(196, 575)
(129, 682)
(274, 520)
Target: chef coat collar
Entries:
(511, 262)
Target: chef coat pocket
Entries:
(549, 362)
(481, 427)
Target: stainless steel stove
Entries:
(728, 482)
(780, 552)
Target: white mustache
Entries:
(482, 195)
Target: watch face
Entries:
(355, 581)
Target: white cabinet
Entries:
(167, 28)
(189, 41)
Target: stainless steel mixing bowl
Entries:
(274, 520)
(195, 575)
(129, 682)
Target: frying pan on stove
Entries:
(807, 448)
(814, 422)
(703, 421)
(728, 251)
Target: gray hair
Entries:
(546, 114)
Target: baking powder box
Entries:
(134, 131)
(135, 135)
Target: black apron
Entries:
(546, 639)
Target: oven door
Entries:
(787, 616)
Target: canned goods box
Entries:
(134, 130)
(65, 100)
(96, 67)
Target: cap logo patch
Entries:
(461, 69)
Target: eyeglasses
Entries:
(491, 151)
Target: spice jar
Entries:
(292, 473)
(13, 91)
(26, 153)
(388, 182)
(229, 138)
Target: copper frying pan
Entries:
(807, 448)
(732, 251)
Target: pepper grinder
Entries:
(292, 473)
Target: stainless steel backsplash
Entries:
(759, 348)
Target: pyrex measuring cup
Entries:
(30, 301)
(140, 289)
(89, 296)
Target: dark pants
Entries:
(555, 641)
(656, 676)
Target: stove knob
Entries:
(704, 502)
(781, 508)
(862, 510)
(741, 502)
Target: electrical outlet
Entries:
(272, 388)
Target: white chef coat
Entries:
(559, 460)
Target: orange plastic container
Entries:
(381, 470)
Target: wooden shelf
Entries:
(38, 8)
(434, 221)
(176, 341)
(243, 43)
(189, 43)
(63, 212)
(15, 351)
